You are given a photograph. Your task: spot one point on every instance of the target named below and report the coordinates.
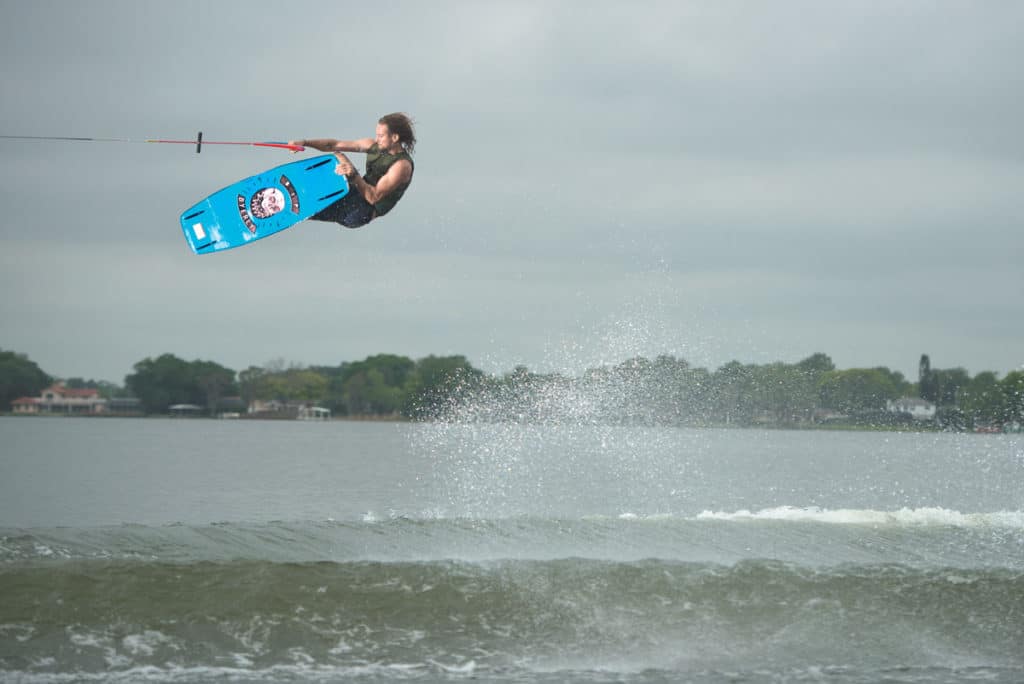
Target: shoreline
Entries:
(831, 427)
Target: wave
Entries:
(925, 537)
(928, 516)
(775, 594)
(503, 617)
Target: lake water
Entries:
(196, 550)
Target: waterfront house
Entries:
(25, 405)
(58, 399)
(314, 413)
(919, 409)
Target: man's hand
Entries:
(344, 167)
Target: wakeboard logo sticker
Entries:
(243, 213)
(293, 194)
(266, 202)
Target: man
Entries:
(389, 170)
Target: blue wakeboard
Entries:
(263, 204)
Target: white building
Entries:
(314, 413)
(59, 399)
(292, 410)
(919, 409)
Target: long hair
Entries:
(401, 124)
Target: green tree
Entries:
(355, 394)
(926, 387)
(675, 389)
(168, 380)
(294, 385)
(395, 371)
(815, 365)
(161, 382)
(731, 393)
(19, 377)
(441, 382)
(948, 384)
(367, 392)
(790, 391)
(377, 385)
(858, 390)
(251, 384)
(981, 400)
(1012, 389)
(902, 386)
(308, 385)
(107, 390)
(213, 382)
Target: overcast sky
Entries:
(716, 180)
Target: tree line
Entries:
(661, 391)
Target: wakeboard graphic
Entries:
(263, 205)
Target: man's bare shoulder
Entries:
(402, 168)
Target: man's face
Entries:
(385, 139)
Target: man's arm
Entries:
(332, 145)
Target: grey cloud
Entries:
(593, 180)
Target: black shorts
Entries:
(351, 211)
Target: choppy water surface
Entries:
(248, 551)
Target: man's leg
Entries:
(351, 211)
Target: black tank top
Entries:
(377, 164)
